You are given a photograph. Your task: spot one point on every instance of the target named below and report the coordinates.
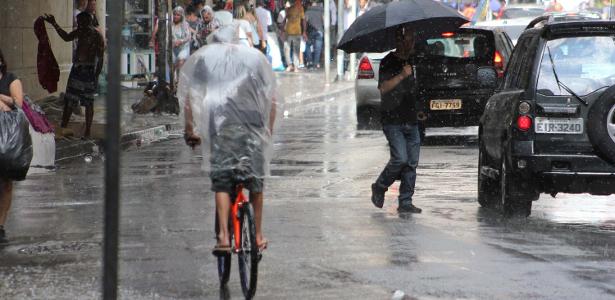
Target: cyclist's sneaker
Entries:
(409, 208)
(378, 195)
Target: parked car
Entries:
(512, 27)
(450, 93)
(551, 127)
(522, 11)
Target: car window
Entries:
(584, 64)
(459, 45)
(515, 66)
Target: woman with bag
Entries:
(15, 141)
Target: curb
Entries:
(318, 98)
(140, 138)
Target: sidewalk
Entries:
(295, 89)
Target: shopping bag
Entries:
(36, 116)
(15, 145)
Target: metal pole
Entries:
(327, 42)
(112, 149)
(353, 56)
(340, 31)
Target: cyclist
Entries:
(227, 92)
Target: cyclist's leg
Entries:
(223, 208)
(257, 203)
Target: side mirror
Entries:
(487, 77)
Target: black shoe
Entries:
(409, 208)
(378, 195)
(3, 239)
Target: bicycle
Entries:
(242, 238)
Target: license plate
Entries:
(559, 125)
(445, 104)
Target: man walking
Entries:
(397, 87)
(87, 66)
(314, 17)
(295, 31)
(227, 92)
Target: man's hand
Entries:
(192, 139)
(49, 18)
(406, 71)
(305, 38)
(177, 43)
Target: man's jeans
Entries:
(315, 39)
(405, 144)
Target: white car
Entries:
(512, 27)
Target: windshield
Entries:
(584, 64)
(466, 45)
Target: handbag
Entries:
(36, 116)
(15, 145)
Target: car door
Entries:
(497, 117)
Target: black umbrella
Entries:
(374, 31)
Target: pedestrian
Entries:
(468, 10)
(294, 28)
(245, 29)
(257, 32)
(227, 91)
(11, 95)
(193, 22)
(181, 38)
(264, 21)
(398, 92)
(83, 78)
(364, 6)
(198, 6)
(281, 20)
(314, 17)
(222, 16)
(206, 26)
(80, 6)
(555, 6)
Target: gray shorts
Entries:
(237, 155)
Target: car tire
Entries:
(513, 205)
(601, 125)
(488, 188)
(367, 117)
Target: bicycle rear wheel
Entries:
(224, 261)
(248, 254)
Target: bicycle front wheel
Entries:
(248, 254)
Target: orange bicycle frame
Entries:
(240, 199)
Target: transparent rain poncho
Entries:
(230, 90)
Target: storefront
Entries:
(138, 57)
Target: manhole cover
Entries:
(58, 248)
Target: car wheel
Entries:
(367, 117)
(512, 205)
(488, 189)
(601, 125)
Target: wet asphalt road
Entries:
(327, 241)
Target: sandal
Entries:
(220, 250)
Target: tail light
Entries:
(524, 123)
(365, 69)
(448, 34)
(498, 61)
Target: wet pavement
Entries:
(327, 241)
